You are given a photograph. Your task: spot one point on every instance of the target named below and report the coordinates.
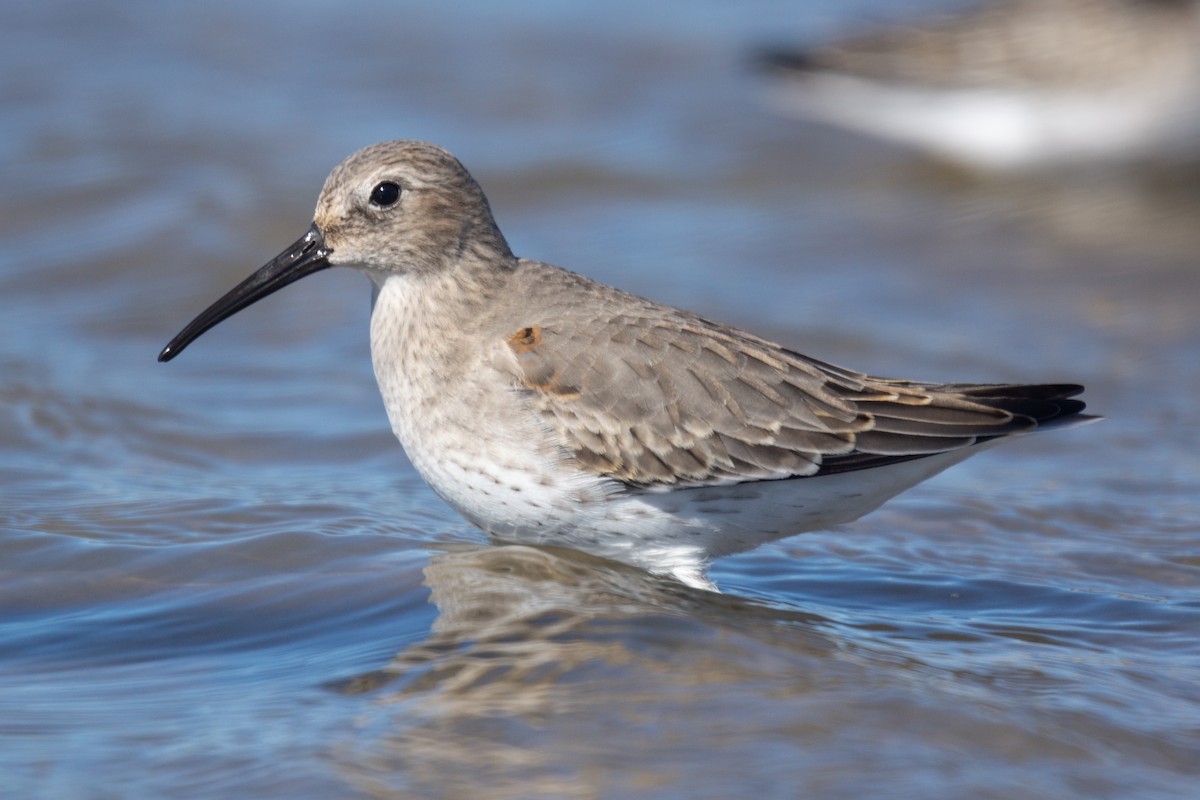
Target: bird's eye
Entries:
(385, 194)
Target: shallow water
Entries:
(221, 578)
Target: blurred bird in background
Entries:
(1013, 84)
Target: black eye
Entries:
(385, 194)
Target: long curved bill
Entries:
(306, 255)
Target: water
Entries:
(220, 577)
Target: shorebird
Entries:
(548, 408)
(1013, 84)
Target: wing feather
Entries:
(658, 398)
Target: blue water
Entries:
(221, 578)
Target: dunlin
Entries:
(548, 408)
(1014, 83)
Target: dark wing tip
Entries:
(1042, 403)
(913, 433)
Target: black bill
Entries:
(305, 256)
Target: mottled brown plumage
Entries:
(656, 397)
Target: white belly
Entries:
(481, 446)
(1006, 128)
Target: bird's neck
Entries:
(427, 329)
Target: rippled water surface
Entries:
(221, 578)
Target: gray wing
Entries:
(1018, 43)
(658, 398)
